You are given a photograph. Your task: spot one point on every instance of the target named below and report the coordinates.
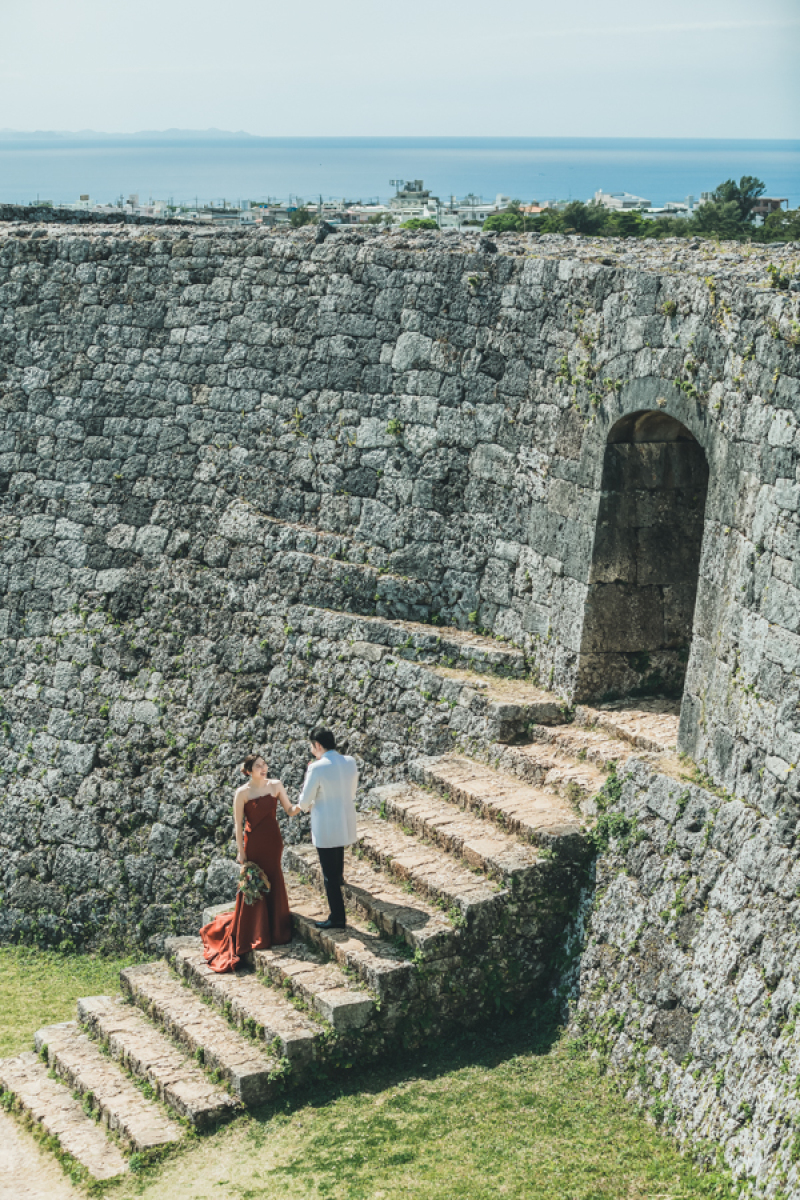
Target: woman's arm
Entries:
(290, 809)
(239, 801)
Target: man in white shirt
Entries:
(329, 794)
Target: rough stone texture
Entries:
(205, 435)
(538, 815)
(61, 1115)
(143, 1049)
(319, 983)
(688, 979)
(247, 479)
(247, 1003)
(76, 1059)
(27, 215)
(244, 1064)
(480, 843)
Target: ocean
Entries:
(211, 166)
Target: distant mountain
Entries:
(143, 135)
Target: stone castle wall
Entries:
(205, 435)
(689, 971)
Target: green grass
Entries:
(40, 987)
(513, 1110)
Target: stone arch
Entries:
(643, 575)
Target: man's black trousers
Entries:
(331, 859)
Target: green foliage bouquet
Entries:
(253, 883)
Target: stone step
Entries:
(539, 816)
(297, 575)
(380, 965)
(303, 972)
(300, 561)
(585, 745)
(443, 643)
(120, 1104)
(483, 844)
(553, 769)
(496, 709)
(358, 955)
(247, 1002)
(148, 1053)
(343, 573)
(408, 640)
(244, 524)
(438, 876)
(393, 911)
(61, 1115)
(649, 725)
(244, 1064)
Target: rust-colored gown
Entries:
(266, 923)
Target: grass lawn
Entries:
(40, 987)
(509, 1111)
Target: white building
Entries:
(414, 202)
(621, 201)
(471, 210)
(672, 208)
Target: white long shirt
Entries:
(329, 793)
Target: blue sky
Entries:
(622, 68)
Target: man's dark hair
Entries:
(324, 737)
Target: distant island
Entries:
(141, 135)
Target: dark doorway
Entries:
(637, 627)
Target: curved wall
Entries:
(205, 433)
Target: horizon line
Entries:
(239, 133)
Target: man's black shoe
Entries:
(329, 924)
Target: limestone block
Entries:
(150, 540)
(221, 880)
(111, 580)
(63, 824)
(146, 712)
(37, 526)
(412, 352)
(161, 842)
(781, 605)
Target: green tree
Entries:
(743, 194)
(300, 217)
(669, 227)
(590, 219)
(729, 212)
(507, 221)
(720, 218)
(550, 221)
(419, 223)
(781, 226)
(629, 223)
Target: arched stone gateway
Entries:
(642, 582)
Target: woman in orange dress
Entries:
(268, 922)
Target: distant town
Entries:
(412, 201)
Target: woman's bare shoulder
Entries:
(240, 793)
(275, 785)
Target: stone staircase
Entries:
(457, 893)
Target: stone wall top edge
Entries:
(733, 262)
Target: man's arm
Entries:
(310, 788)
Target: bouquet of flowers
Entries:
(253, 883)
